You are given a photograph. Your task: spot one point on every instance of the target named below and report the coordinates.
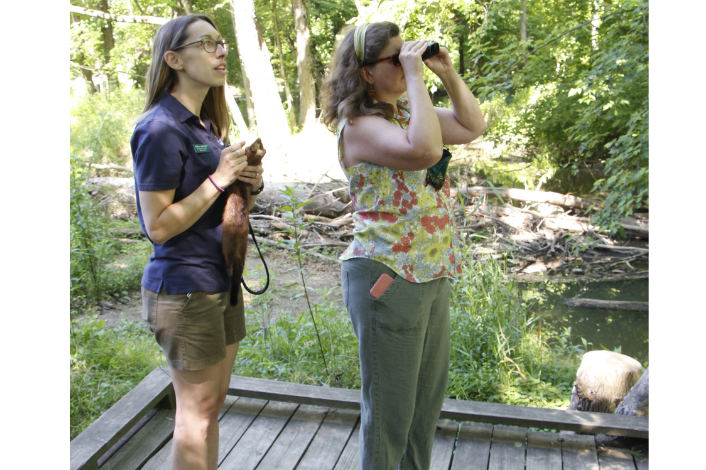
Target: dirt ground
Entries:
(283, 296)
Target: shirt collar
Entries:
(175, 107)
(180, 112)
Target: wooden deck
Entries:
(276, 425)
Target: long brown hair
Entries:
(162, 78)
(344, 92)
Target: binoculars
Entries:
(432, 50)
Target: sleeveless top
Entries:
(401, 221)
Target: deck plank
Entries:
(444, 442)
(293, 441)
(235, 423)
(144, 444)
(334, 433)
(257, 440)
(642, 462)
(459, 410)
(107, 430)
(507, 451)
(350, 457)
(578, 452)
(615, 459)
(543, 451)
(123, 440)
(473, 447)
(160, 461)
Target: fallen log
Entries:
(110, 166)
(527, 196)
(285, 246)
(608, 304)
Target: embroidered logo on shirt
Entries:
(202, 148)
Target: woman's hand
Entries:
(440, 64)
(252, 175)
(411, 58)
(231, 165)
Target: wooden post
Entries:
(602, 381)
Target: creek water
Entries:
(626, 331)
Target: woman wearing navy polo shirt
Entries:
(181, 169)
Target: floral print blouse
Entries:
(401, 221)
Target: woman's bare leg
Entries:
(199, 395)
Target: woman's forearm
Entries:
(165, 219)
(424, 132)
(465, 106)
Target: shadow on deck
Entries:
(269, 425)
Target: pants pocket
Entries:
(400, 306)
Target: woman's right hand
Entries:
(411, 58)
(233, 161)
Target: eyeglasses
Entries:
(209, 45)
(395, 59)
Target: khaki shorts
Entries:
(193, 329)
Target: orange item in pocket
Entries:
(381, 285)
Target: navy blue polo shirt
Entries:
(172, 150)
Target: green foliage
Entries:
(89, 248)
(288, 348)
(101, 266)
(293, 214)
(579, 95)
(102, 123)
(497, 354)
(105, 365)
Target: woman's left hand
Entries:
(440, 64)
(252, 175)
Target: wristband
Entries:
(217, 187)
(260, 189)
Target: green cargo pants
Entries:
(403, 338)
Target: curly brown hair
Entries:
(344, 93)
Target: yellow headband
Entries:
(359, 41)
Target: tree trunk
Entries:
(462, 45)
(523, 22)
(287, 91)
(595, 23)
(248, 99)
(307, 100)
(637, 401)
(108, 45)
(271, 120)
(236, 114)
(602, 381)
(188, 7)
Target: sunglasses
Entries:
(395, 59)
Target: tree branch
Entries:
(119, 18)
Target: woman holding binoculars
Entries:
(396, 273)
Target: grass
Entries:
(105, 365)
